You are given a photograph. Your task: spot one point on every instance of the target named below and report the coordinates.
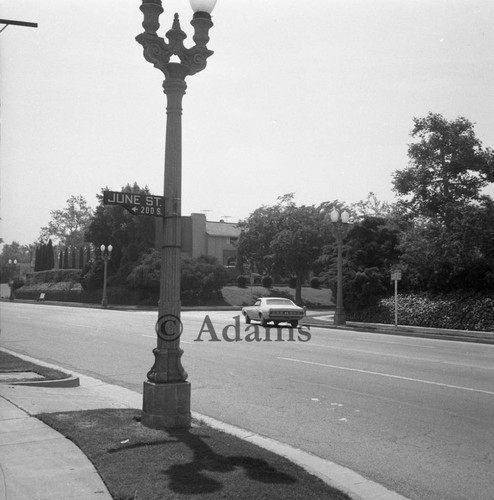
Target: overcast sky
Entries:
(314, 97)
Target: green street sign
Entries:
(136, 204)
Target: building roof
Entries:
(224, 229)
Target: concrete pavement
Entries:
(37, 463)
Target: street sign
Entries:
(395, 275)
(136, 204)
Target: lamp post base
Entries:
(166, 406)
(339, 317)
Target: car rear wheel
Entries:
(294, 323)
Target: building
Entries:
(202, 237)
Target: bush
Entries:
(202, 279)
(457, 311)
(364, 288)
(54, 276)
(17, 283)
(91, 277)
(267, 281)
(315, 282)
(242, 281)
(146, 274)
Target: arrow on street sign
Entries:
(135, 203)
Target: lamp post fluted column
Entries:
(166, 394)
(340, 227)
(106, 255)
(12, 264)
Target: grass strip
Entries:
(144, 464)
(12, 364)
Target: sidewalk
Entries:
(37, 463)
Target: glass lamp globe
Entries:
(334, 216)
(203, 5)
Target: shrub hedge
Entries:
(267, 281)
(458, 311)
(315, 282)
(242, 281)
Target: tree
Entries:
(81, 258)
(50, 257)
(66, 258)
(459, 257)
(69, 224)
(258, 230)
(372, 207)
(14, 250)
(370, 249)
(201, 279)
(130, 235)
(447, 167)
(283, 239)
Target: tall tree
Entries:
(372, 207)
(130, 235)
(448, 166)
(50, 257)
(284, 239)
(69, 224)
(14, 250)
(66, 258)
(460, 257)
(81, 258)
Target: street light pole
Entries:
(166, 394)
(106, 254)
(12, 264)
(340, 228)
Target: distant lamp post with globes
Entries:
(339, 223)
(12, 264)
(106, 254)
(166, 393)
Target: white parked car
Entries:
(273, 309)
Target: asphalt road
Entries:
(416, 415)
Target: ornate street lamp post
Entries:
(339, 224)
(106, 254)
(12, 264)
(166, 394)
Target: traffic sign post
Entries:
(135, 203)
(396, 276)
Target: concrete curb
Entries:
(406, 331)
(346, 480)
(71, 381)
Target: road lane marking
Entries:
(466, 365)
(387, 375)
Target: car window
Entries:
(279, 302)
(257, 303)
